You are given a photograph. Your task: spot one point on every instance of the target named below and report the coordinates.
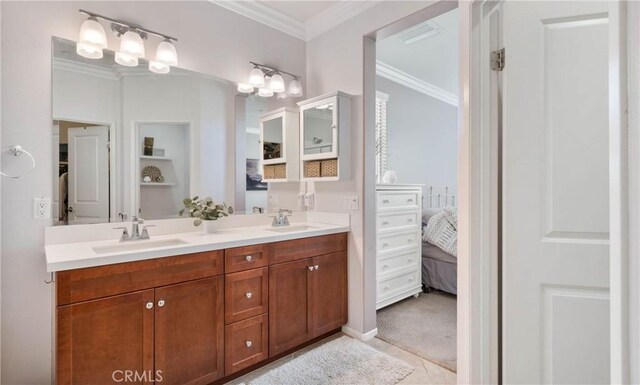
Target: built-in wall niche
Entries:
(325, 125)
(186, 113)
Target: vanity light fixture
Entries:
(263, 78)
(93, 40)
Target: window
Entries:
(381, 134)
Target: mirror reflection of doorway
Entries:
(81, 190)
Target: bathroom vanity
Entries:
(209, 307)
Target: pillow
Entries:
(428, 213)
(451, 214)
(439, 232)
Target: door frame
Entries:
(113, 171)
(134, 158)
(477, 331)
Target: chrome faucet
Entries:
(281, 219)
(136, 234)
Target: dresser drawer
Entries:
(246, 294)
(245, 258)
(246, 343)
(398, 200)
(398, 221)
(398, 283)
(396, 262)
(398, 241)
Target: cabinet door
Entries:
(289, 305)
(329, 293)
(97, 341)
(189, 333)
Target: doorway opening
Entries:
(416, 152)
(82, 174)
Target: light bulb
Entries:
(92, 39)
(131, 44)
(256, 77)
(276, 84)
(295, 88)
(159, 68)
(166, 53)
(265, 92)
(126, 60)
(245, 88)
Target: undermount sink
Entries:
(288, 229)
(138, 245)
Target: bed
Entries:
(439, 269)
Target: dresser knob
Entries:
(409, 240)
(385, 223)
(149, 305)
(386, 288)
(310, 268)
(248, 258)
(385, 266)
(317, 267)
(410, 220)
(385, 201)
(385, 245)
(161, 303)
(410, 279)
(249, 343)
(410, 200)
(249, 295)
(410, 259)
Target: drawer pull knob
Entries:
(248, 258)
(386, 288)
(410, 279)
(249, 295)
(385, 245)
(249, 343)
(410, 200)
(409, 240)
(410, 220)
(317, 267)
(310, 268)
(386, 266)
(149, 305)
(385, 201)
(410, 259)
(161, 303)
(385, 223)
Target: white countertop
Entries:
(76, 255)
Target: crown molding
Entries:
(85, 69)
(264, 14)
(410, 81)
(336, 15)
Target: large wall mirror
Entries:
(129, 142)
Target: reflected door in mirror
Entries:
(272, 140)
(319, 129)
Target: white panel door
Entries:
(555, 193)
(88, 190)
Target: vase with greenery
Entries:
(206, 211)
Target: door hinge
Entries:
(497, 60)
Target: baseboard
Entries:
(360, 336)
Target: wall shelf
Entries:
(147, 157)
(165, 184)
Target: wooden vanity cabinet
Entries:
(194, 319)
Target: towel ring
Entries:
(17, 150)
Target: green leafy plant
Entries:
(205, 209)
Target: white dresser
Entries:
(398, 242)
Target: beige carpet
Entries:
(425, 326)
(343, 361)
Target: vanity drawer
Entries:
(398, 284)
(398, 261)
(245, 258)
(398, 221)
(398, 200)
(103, 281)
(246, 294)
(246, 343)
(307, 247)
(398, 241)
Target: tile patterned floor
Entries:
(425, 373)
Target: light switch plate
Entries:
(41, 208)
(351, 202)
(274, 199)
(309, 200)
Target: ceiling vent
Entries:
(425, 30)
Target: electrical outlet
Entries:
(41, 208)
(351, 202)
(309, 200)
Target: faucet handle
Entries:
(125, 233)
(145, 233)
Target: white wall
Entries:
(422, 137)
(205, 45)
(334, 62)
